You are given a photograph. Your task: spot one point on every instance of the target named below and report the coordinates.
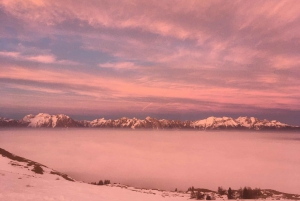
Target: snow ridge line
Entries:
(44, 120)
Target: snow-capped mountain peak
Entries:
(256, 124)
(47, 120)
(215, 123)
(210, 123)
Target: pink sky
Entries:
(170, 59)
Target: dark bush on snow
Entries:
(38, 169)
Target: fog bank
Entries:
(165, 159)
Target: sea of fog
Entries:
(165, 159)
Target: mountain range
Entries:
(43, 120)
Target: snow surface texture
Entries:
(21, 180)
(211, 123)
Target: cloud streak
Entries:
(43, 58)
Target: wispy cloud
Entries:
(146, 106)
(119, 65)
(44, 58)
(244, 53)
(120, 89)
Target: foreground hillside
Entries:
(24, 180)
(210, 123)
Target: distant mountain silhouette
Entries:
(43, 120)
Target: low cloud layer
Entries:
(151, 57)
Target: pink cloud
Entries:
(119, 65)
(168, 20)
(243, 55)
(285, 62)
(120, 90)
(37, 88)
(36, 58)
(42, 58)
(163, 18)
(10, 54)
(209, 51)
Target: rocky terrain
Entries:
(210, 123)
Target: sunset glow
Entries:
(137, 58)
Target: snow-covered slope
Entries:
(16, 164)
(4, 122)
(123, 122)
(239, 123)
(254, 123)
(25, 180)
(135, 123)
(215, 123)
(47, 120)
(211, 123)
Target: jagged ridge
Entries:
(211, 123)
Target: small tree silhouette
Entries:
(221, 191)
(200, 196)
(106, 182)
(38, 169)
(192, 193)
(247, 193)
(229, 195)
